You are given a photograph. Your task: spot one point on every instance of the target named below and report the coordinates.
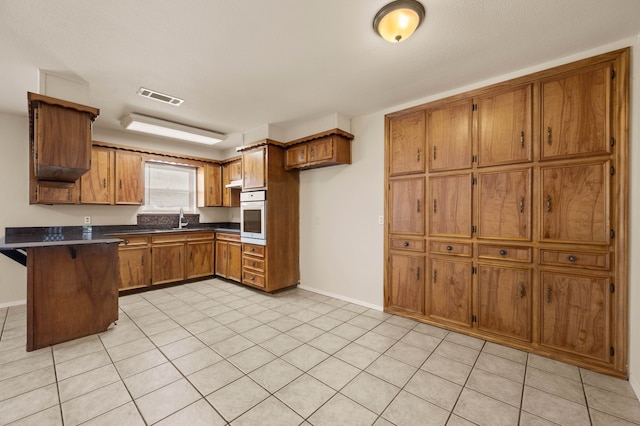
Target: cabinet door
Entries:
(199, 259)
(134, 267)
(450, 205)
(407, 144)
(129, 178)
(449, 291)
(504, 301)
(406, 283)
(575, 203)
(231, 196)
(234, 261)
(221, 258)
(168, 263)
(504, 127)
(406, 212)
(504, 205)
(97, 183)
(320, 150)
(575, 114)
(55, 193)
(213, 185)
(576, 314)
(62, 143)
(449, 137)
(296, 155)
(253, 168)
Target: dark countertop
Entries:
(44, 236)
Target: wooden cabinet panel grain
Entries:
(97, 184)
(407, 144)
(199, 258)
(407, 199)
(134, 267)
(168, 263)
(449, 291)
(129, 185)
(406, 282)
(449, 136)
(504, 301)
(504, 127)
(450, 205)
(254, 168)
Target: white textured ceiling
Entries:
(242, 64)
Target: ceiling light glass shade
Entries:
(398, 20)
(169, 129)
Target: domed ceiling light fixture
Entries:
(398, 20)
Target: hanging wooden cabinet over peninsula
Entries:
(507, 212)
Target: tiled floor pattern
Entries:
(215, 353)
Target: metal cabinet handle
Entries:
(449, 248)
(104, 182)
(522, 139)
(572, 259)
(126, 242)
(418, 155)
(503, 252)
(548, 203)
(406, 244)
(120, 183)
(521, 290)
(435, 276)
(549, 135)
(418, 274)
(548, 294)
(418, 206)
(434, 152)
(521, 204)
(435, 206)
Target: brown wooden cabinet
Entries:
(504, 127)
(449, 136)
(254, 168)
(576, 314)
(228, 256)
(320, 150)
(210, 180)
(254, 265)
(576, 112)
(135, 261)
(450, 205)
(407, 196)
(449, 291)
(97, 185)
(504, 301)
(60, 138)
(407, 144)
(575, 203)
(199, 255)
(504, 204)
(231, 172)
(406, 282)
(129, 178)
(167, 262)
(526, 213)
(44, 192)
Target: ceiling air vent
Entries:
(161, 97)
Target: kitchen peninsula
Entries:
(72, 282)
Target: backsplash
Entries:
(166, 220)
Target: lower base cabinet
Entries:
(168, 262)
(450, 291)
(254, 265)
(135, 260)
(406, 282)
(228, 256)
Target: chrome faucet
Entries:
(180, 223)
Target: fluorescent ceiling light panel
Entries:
(169, 129)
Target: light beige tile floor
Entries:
(216, 353)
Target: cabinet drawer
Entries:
(249, 277)
(253, 263)
(199, 236)
(253, 250)
(170, 238)
(498, 251)
(459, 249)
(227, 237)
(133, 240)
(406, 244)
(589, 260)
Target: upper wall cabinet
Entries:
(407, 144)
(60, 138)
(449, 136)
(319, 150)
(575, 113)
(97, 184)
(254, 168)
(129, 178)
(504, 127)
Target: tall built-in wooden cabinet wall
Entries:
(507, 212)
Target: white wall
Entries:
(341, 243)
(14, 196)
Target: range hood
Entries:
(234, 184)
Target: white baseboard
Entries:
(341, 297)
(635, 385)
(14, 303)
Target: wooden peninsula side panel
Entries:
(72, 291)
